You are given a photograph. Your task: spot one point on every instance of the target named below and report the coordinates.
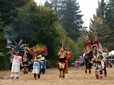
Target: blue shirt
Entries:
(81, 59)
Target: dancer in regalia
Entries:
(97, 57)
(68, 53)
(37, 61)
(25, 61)
(62, 64)
(87, 60)
(37, 65)
(17, 60)
(94, 48)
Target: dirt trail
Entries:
(51, 78)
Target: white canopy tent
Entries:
(111, 53)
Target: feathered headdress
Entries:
(28, 50)
(83, 50)
(39, 48)
(63, 41)
(68, 52)
(18, 47)
(90, 39)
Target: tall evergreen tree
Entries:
(71, 19)
(110, 21)
(8, 9)
(47, 4)
(55, 4)
(99, 24)
(2, 37)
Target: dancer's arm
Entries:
(12, 54)
(59, 53)
(65, 55)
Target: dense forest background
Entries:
(23, 19)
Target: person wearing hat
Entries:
(97, 57)
(62, 64)
(17, 60)
(37, 65)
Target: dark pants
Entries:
(10, 66)
(105, 68)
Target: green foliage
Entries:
(109, 21)
(2, 38)
(100, 23)
(4, 64)
(70, 19)
(47, 4)
(8, 9)
(36, 24)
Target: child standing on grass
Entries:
(77, 64)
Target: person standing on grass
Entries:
(43, 61)
(17, 60)
(39, 48)
(37, 65)
(103, 62)
(87, 60)
(82, 62)
(62, 64)
(77, 64)
(25, 63)
(11, 60)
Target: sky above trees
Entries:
(88, 8)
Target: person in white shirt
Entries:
(103, 62)
(17, 60)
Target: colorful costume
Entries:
(38, 49)
(15, 72)
(87, 59)
(62, 64)
(68, 53)
(25, 64)
(37, 65)
(43, 65)
(97, 64)
(66, 70)
(94, 48)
